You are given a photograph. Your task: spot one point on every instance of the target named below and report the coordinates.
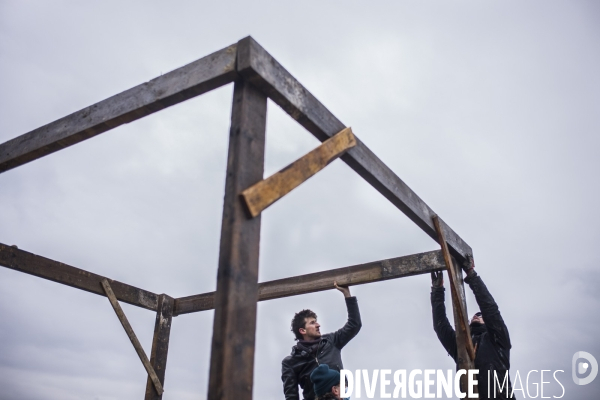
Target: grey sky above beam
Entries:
(375, 271)
(254, 63)
(191, 80)
(257, 65)
(29, 263)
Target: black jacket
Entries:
(492, 340)
(296, 368)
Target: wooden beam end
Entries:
(266, 192)
(251, 199)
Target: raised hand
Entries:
(469, 266)
(437, 279)
(343, 289)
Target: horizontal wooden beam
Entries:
(266, 192)
(257, 65)
(376, 271)
(191, 80)
(19, 260)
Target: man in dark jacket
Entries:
(488, 331)
(314, 349)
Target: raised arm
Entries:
(342, 336)
(441, 325)
(489, 310)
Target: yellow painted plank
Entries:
(266, 192)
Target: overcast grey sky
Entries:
(488, 110)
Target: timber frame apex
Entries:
(257, 76)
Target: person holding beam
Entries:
(488, 332)
(314, 349)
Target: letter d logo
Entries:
(582, 367)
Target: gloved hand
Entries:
(469, 267)
(437, 279)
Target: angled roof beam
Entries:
(196, 78)
(258, 66)
(375, 271)
(23, 261)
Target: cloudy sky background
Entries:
(487, 110)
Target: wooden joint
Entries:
(132, 337)
(266, 192)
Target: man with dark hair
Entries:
(314, 349)
(488, 332)
(300, 322)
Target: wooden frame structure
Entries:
(257, 76)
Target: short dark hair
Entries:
(299, 321)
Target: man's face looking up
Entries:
(478, 319)
(311, 330)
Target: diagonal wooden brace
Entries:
(458, 306)
(131, 334)
(266, 192)
(464, 345)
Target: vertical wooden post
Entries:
(160, 344)
(232, 354)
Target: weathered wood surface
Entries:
(203, 75)
(160, 344)
(191, 80)
(23, 261)
(464, 344)
(131, 334)
(258, 66)
(464, 360)
(462, 330)
(266, 192)
(234, 328)
(376, 271)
